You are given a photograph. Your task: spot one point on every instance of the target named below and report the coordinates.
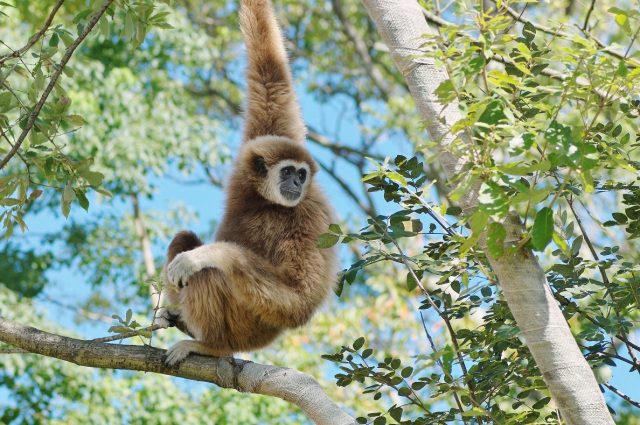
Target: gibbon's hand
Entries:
(185, 264)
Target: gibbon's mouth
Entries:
(290, 194)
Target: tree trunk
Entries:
(569, 378)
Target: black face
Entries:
(291, 181)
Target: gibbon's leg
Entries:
(181, 349)
(183, 241)
(267, 289)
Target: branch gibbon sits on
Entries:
(263, 274)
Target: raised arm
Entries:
(272, 106)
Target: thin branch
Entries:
(565, 302)
(54, 79)
(586, 19)
(131, 334)
(452, 333)
(361, 49)
(620, 394)
(369, 210)
(288, 384)
(36, 37)
(539, 27)
(441, 365)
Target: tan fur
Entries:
(264, 273)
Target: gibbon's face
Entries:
(285, 183)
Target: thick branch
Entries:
(145, 246)
(288, 384)
(54, 79)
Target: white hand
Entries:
(185, 264)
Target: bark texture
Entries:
(291, 385)
(569, 378)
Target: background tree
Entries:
(159, 110)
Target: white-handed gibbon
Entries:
(264, 273)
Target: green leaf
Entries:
(105, 28)
(327, 240)
(397, 178)
(522, 170)
(542, 230)
(39, 81)
(53, 41)
(541, 403)
(529, 31)
(335, 228)
(406, 372)
(128, 25)
(475, 411)
(66, 39)
(76, 120)
(94, 179)
(82, 200)
(622, 69)
(404, 392)
(496, 235)
(358, 343)
(619, 217)
(68, 194)
(562, 244)
(66, 209)
(396, 414)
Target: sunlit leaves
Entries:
(542, 230)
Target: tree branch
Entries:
(291, 385)
(36, 37)
(361, 49)
(54, 79)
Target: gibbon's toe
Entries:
(176, 354)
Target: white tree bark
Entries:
(569, 378)
(291, 385)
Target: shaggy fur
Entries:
(263, 274)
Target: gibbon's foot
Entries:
(184, 265)
(166, 319)
(176, 354)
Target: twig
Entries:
(361, 49)
(539, 27)
(441, 365)
(65, 59)
(622, 395)
(445, 319)
(128, 334)
(36, 37)
(586, 19)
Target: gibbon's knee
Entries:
(183, 241)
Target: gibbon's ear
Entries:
(260, 164)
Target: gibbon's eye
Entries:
(302, 175)
(287, 172)
(260, 164)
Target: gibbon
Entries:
(264, 273)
